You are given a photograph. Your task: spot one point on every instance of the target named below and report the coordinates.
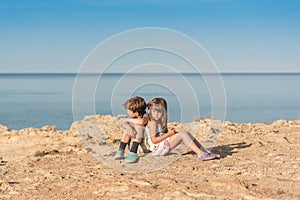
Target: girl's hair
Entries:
(136, 104)
(160, 105)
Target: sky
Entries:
(239, 35)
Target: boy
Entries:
(132, 127)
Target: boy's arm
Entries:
(135, 121)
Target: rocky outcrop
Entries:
(258, 161)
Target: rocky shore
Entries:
(258, 161)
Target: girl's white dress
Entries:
(159, 149)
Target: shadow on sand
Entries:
(229, 149)
(226, 149)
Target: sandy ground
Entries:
(258, 161)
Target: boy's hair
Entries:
(160, 104)
(136, 104)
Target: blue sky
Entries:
(240, 35)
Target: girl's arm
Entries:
(153, 130)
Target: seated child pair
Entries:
(161, 139)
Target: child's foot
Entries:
(132, 157)
(208, 156)
(119, 155)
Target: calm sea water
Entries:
(35, 100)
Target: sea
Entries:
(39, 99)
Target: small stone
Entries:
(48, 128)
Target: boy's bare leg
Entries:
(128, 133)
(133, 156)
(138, 140)
(129, 130)
(125, 138)
(139, 133)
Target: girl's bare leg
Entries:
(188, 140)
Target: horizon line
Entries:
(94, 73)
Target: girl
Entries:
(162, 140)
